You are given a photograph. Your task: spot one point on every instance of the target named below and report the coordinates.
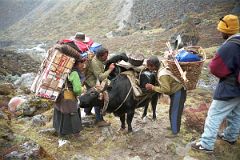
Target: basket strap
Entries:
(165, 71)
(65, 84)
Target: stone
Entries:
(39, 120)
(6, 88)
(14, 103)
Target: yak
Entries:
(118, 69)
(121, 100)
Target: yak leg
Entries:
(145, 111)
(122, 119)
(129, 121)
(154, 105)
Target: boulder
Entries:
(4, 100)
(188, 32)
(39, 120)
(14, 104)
(26, 80)
(27, 150)
(6, 89)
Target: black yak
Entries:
(118, 69)
(121, 99)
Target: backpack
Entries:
(186, 56)
(52, 74)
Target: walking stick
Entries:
(183, 73)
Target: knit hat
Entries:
(229, 24)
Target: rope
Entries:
(106, 101)
(124, 99)
(144, 98)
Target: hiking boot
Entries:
(103, 124)
(221, 136)
(198, 147)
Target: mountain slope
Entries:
(13, 11)
(143, 24)
(57, 18)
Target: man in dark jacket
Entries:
(226, 100)
(95, 72)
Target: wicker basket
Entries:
(193, 69)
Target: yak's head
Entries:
(93, 97)
(147, 77)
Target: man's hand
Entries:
(149, 86)
(112, 66)
(90, 55)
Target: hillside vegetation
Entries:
(143, 24)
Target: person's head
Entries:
(80, 36)
(228, 25)
(153, 63)
(102, 54)
(80, 65)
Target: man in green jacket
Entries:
(170, 85)
(95, 72)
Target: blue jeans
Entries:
(231, 128)
(176, 109)
(97, 110)
(216, 114)
(98, 114)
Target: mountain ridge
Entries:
(113, 22)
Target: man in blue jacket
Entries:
(226, 100)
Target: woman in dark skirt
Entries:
(67, 115)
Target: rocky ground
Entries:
(151, 140)
(13, 63)
(29, 132)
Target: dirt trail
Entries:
(150, 139)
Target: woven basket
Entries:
(193, 69)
